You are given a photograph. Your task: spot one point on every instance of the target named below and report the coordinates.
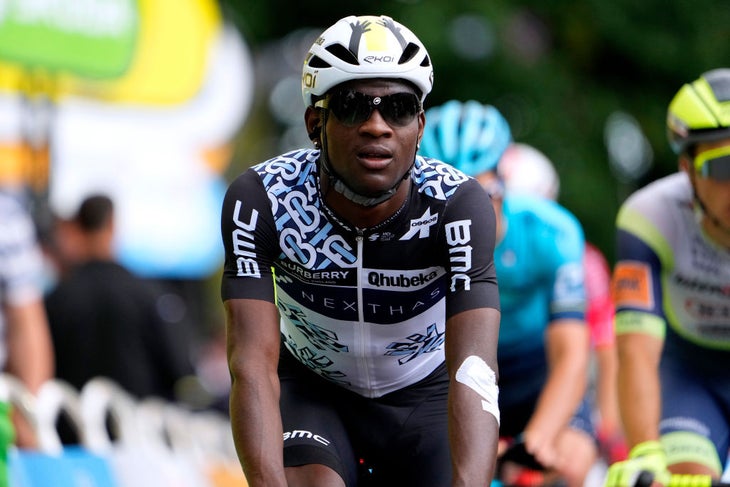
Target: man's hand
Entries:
(647, 456)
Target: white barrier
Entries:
(123, 442)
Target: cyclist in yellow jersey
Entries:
(672, 294)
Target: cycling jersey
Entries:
(668, 271)
(539, 263)
(599, 305)
(364, 308)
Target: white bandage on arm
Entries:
(476, 374)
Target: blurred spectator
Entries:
(105, 321)
(25, 346)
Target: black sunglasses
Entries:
(353, 108)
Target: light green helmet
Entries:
(700, 111)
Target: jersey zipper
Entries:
(362, 331)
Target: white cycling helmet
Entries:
(527, 170)
(365, 47)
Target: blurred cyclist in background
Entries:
(544, 344)
(26, 350)
(673, 268)
(375, 335)
(526, 170)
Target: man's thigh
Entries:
(313, 430)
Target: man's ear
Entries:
(421, 126)
(313, 122)
(685, 163)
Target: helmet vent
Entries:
(318, 62)
(719, 81)
(408, 53)
(343, 53)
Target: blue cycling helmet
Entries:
(470, 136)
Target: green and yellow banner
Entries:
(88, 38)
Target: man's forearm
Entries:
(559, 399)
(639, 401)
(257, 432)
(28, 335)
(473, 436)
(639, 390)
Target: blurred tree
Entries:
(557, 70)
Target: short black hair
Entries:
(94, 213)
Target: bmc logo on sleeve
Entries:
(632, 285)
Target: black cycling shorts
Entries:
(398, 439)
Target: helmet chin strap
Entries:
(341, 187)
(338, 184)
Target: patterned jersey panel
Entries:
(365, 308)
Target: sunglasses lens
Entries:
(718, 168)
(714, 163)
(399, 109)
(353, 108)
(350, 107)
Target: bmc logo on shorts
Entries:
(292, 435)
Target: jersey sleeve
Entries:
(637, 277)
(249, 240)
(469, 238)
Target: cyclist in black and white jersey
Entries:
(359, 286)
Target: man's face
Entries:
(373, 154)
(712, 187)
